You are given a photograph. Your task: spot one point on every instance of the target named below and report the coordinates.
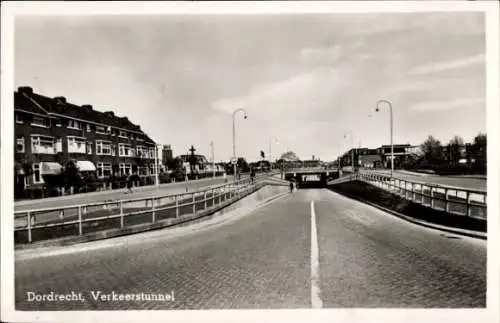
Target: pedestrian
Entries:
(130, 184)
(252, 175)
(291, 186)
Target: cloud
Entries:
(287, 99)
(327, 55)
(450, 65)
(446, 105)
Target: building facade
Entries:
(53, 136)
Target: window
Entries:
(125, 169)
(89, 148)
(140, 152)
(123, 134)
(152, 169)
(19, 118)
(88, 128)
(42, 145)
(124, 150)
(100, 129)
(58, 123)
(39, 122)
(20, 145)
(59, 148)
(73, 124)
(76, 145)
(37, 177)
(139, 138)
(113, 150)
(103, 170)
(103, 147)
(113, 132)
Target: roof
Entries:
(22, 102)
(25, 99)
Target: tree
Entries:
(454, 149)
(262, 154)
(432, 150)
(242, 164)
(479, 150)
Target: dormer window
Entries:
(39, 122)
(100, 130)
(88, 128)
(123, 134)
(76, 125)
(19, 118)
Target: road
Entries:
(144, 191)
(463, 182)
(312, 248)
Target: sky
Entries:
(309, 82)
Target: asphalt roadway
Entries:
(313, 248)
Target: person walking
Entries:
(291, 186)
(252, 175)
(130, 184)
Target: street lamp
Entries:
(234, 137)
(274, 140)
(392, 131)
(213, 159)
(156, 166)
(352, 149)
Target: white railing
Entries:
(57, 222)
(453, 200)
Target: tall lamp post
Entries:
(213, 159)
(352, 149)
(274, 140)
(235, 160)
(377, 109)
(156, 166)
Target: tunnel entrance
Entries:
(311, 180)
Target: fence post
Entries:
(446, 201)
(28, 215)
(413, 192)
(205, 199)
(61, 214)
(194, 202)
(80, 229)
(469, 211)
(153, 215)
(213, 196)
(176, 206)
(432, 196)
(121, 215)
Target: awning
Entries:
(85, 166)
(50, 168)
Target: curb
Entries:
(140, 228)
(468, 233)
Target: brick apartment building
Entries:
(52, 135)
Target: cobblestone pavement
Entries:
(262, 260)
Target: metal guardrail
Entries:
(451, 199)
(113, 214)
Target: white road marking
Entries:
(316, 301)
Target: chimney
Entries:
(87, 107)
(25, 90)
(60, 99)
